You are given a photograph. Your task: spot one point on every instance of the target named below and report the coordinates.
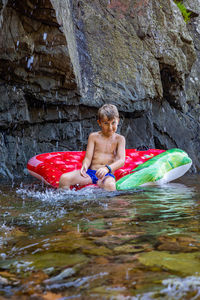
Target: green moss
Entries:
(98, 251)
(185, 264)
(56, 260)
(186, 15)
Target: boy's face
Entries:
(108, 127)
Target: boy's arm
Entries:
(88, 155)
(120, 157)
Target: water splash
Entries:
(4, 236)
(40, 217)
(76, 283)
(30, 62)
(176, 288)
(24, 266)
(17, 44)
(44, 36)
(71, 196)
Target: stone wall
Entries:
(61, 60)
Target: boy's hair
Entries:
(108, 110)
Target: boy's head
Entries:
(108, 111)
(108, 119)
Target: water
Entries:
(92, 244)
(30, 62)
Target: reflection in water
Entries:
(92, 244)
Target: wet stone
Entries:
(56, 259)
(9, 276)
(50, 296)
(177, 263)
(177, 244)
(112, 241)
(3, 280)
(126, 258)
(131, 249)
(97, 233)
(99, 251)
(64, 274)
(69, 242)
(101, 260)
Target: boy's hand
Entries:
(101, 172)
(83, 171)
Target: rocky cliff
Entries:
(61, 60)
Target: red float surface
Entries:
(48, 167)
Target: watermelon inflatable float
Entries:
(141, 168)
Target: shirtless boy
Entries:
(105, 154)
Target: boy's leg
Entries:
(72, 178)
(108, 183)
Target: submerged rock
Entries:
(64, 274)
(181, 263)
(178, 244)
(45, 260)
(3, 281)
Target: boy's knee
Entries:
(110, 186)
(63, 177)
(64, 181)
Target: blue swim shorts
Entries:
(92, 174)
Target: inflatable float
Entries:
(141, 168)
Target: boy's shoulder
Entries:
(94, 134)
(120, 137)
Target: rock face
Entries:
(61, 60)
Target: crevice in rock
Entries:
(39, 10)
(162, 139)
(158, 143)
(134, 114)
(172, 85)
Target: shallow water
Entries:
(91, 244)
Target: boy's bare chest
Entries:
(106, 146)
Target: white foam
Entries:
(175, 288)
(44, 36)
(54, 195)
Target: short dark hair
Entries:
(108, 110)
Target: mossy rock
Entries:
(70, 244)
(104, 292)
(97, 224)
(182, 263)
(98, 251)
(43, 261)
(128, 249)
(47, 260)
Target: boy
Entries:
(105, 154)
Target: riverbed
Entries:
(91, 244)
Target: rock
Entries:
(64, 274)
(97, 251)
(61, 60)
(180, 263)
(45, 260)
(3, 281)
(131, 249)
(177, 244)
